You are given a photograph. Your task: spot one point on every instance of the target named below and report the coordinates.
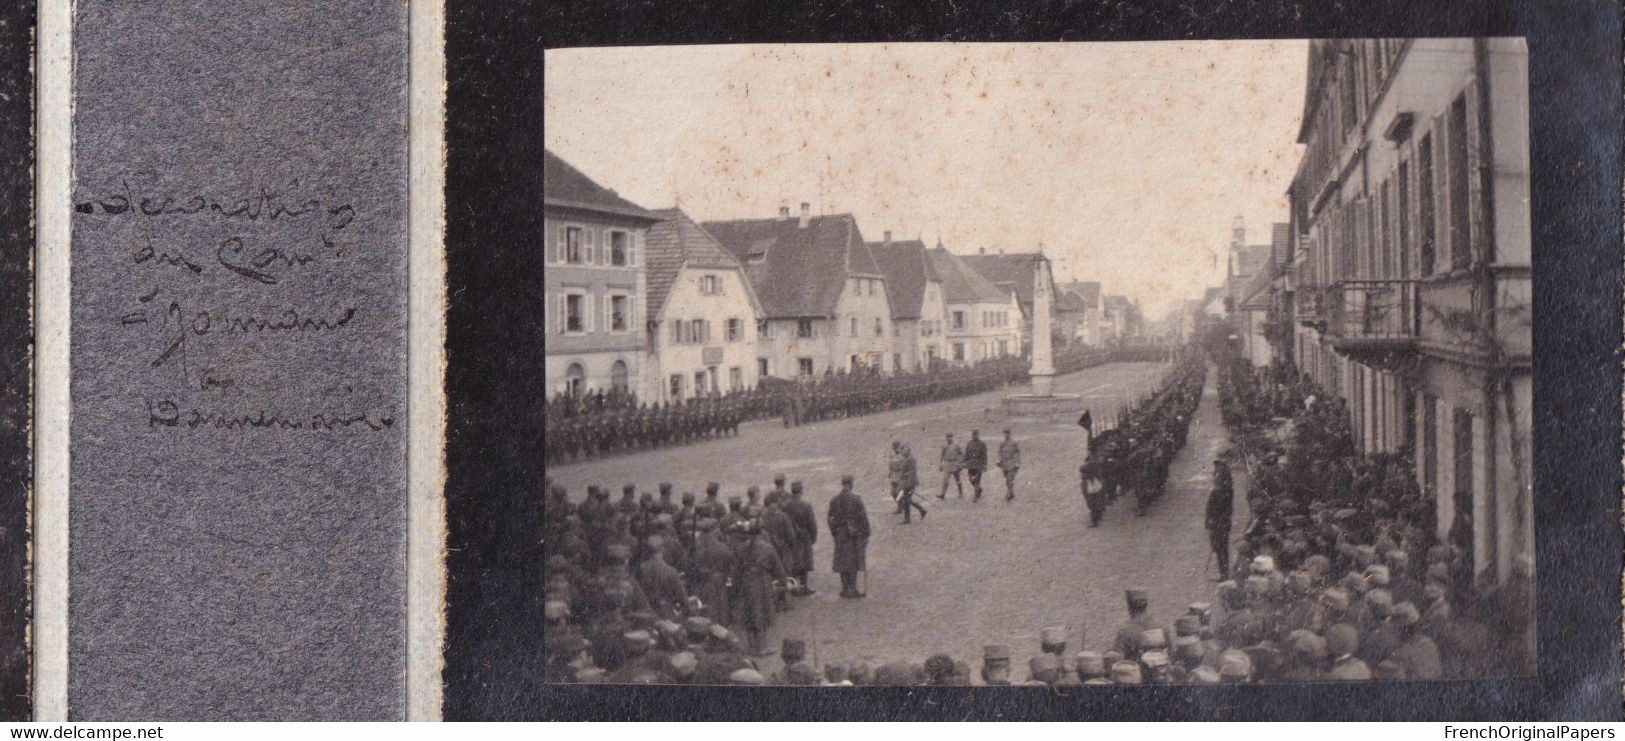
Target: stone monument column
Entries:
(1043, 364)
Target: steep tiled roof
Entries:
(564, 185)
(961, 284)
(673, 243)
(797, 272)
(907, 270)
(1259, 285)
(1088, 290)
(1116, 303)
(1013, 272)
(1068, 301)
(1248, 260)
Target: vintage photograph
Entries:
(1038, 363)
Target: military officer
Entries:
(849, 526)
(1009, 463)
(952, 461)
(975, 462)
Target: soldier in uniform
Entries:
(778, 493)
(908, 481)
(662, 583)
(806, 524)
(756, 569)
(952, 460)
(1220, 512)
(849, 526)
(713, 563)
(975, 463)
(996, 665)
(1094, 490)
(1009, 463)
(1132, 632)
(712, 506)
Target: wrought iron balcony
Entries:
(1376, 322)
(1311, 307)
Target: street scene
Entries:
(908, 365)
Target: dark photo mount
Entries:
(494, 476)
(16, 350)
(495, 354)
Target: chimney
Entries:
(784, 213)
(888, 237)
(806, 214)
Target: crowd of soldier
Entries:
(628, 577)
(1132, 458)
(610, 422)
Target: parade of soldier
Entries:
(1123, 436)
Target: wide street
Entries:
(970, 574)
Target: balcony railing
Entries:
(1373, 317)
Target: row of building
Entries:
(655, 303)
(1402, 280)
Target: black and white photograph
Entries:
(1039, 364)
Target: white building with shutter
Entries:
(593, 284)
(1411, 276)
(702, 314)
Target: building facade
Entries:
(703, 315)
(1411, 276)
(593, 287)
(983, 321)
(824, 307)
(919, 315)
(1014, 272)
(1086, 300)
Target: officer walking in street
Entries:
(1094, 491)
(1009, 463)
(953, 459)
(975, 463)
(908, 480)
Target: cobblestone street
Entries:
(971, 573)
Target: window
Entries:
(617, 313)
(761, 368)
(736, 329)
(764, 329)
(572, 245)
(1461, 246)
(854, 364)
(854, 326)
(1004, 348)
(575, 313)
(896, 361)
(804, 328)
(618, 251)
(880, 328)
(575, 379)
(699, 383)
(676, 387)
(959, 351)
(805, 365)
(1424, 195)
(617, 376)
(677, 332)
(736, 378)
(711, 285)
(1387, 264)
(959, 323)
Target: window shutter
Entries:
(1477, 222)
(555, 246)
(632, 248)
(1441, 192)
(589, 244)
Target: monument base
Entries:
(1035, 405)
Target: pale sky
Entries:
(1126, 161)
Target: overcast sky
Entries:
(1127, 162)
